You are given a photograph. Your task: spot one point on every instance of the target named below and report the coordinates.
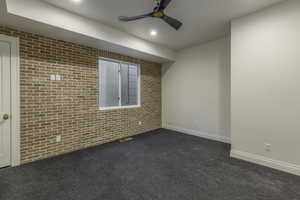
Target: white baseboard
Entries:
(268, 162)
(198, 134)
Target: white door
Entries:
(5, 104)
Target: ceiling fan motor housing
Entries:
(158, 14)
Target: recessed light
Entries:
(153, 33)
(76, 1)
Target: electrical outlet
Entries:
(52, 77)
(58, 138)
(140, 123)
(58, 77)
(267, 147)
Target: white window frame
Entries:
(120, 85)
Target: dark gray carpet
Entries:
(161, 165)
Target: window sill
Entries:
(119, 107)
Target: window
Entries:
(119, 84)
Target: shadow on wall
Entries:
(166, 67)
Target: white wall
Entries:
(265, 78)
(196, 91)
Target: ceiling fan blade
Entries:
(172, 22)
(164, 4)
(127, 19)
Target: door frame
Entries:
(15, 99)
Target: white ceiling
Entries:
(203, 19)
(39, 17)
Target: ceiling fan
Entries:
(158, 12)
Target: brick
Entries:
(70, 107)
